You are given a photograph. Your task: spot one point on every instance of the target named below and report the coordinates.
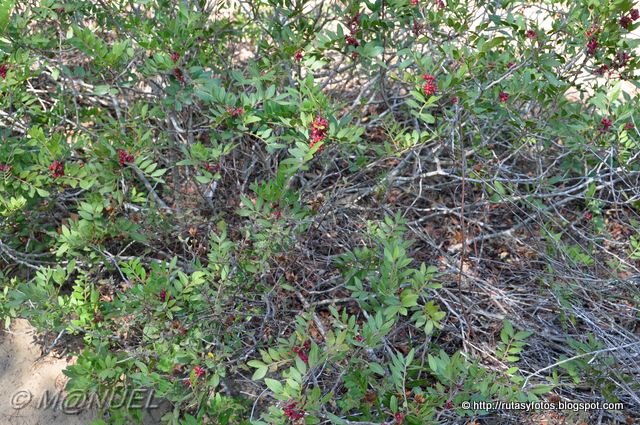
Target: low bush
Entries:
(345, 212)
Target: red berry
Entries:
(399, 418)
(417, 28)
(634, 14)
(301, 353)
(199, 371)
(622, 60)
(4, 168)
(454, 100)
(629, 126)
(57, 169)
(177, 72)
(351, 40)
(162, 295)
(353, 23)
(593, 30)
(531, 34)
(124, 157)
(441, 4)
(602, 69)
(3, 70)
(430, 87)
(606, 124)
(592, 46)
(625, 22)
(319, 128)
(292, 411)
(415, 2)
(588, 216)
(298, 56)
(175, 57)
(235, 112)
(504, 97)
(212, 168)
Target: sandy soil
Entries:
(23, 369)
(20, 371)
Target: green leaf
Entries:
(376, 368)
(42, 192)
(408, 298)
(6, 7)
(251, 119)
(541, 389)
(393, 404)
(101, 90)
(256, 363)
(260, 373)
(274, 385)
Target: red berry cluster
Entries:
(124, 157)
(351, 40)
(292, 411)
(162, 295)
(57, 169)
(3, 70)
(199, 371)
(298, 56)
(235, 112)
(593, 30)
(606, 124)
(504, 97)
(4, 168)
(531, 34)
(212, 168)
(592, 46)
(602, 69)
(430, 87)
(628, 126)
(622, 60)
(353, 24)
(319, 128)
(177, 72)
(417, 28)
(441, 4)
(175, 57)
(626, 21)
(303, 351)
(415, 2)
(399, 418)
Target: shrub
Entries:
(301, 193)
